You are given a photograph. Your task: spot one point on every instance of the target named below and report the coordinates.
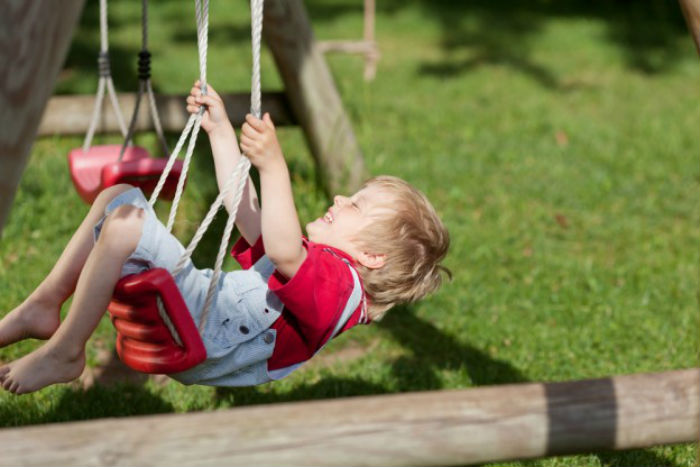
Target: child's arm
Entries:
(280, 225)
(224, 147)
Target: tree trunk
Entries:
(36, 36)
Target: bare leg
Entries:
(62, 358)
(38, 315)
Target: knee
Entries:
(109, 193)
(122, 228)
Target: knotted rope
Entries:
(144, 74)
(105, 81)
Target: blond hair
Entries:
(414, 241)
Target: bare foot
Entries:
(33, 318)
(41, 368)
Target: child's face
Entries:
(341, 225)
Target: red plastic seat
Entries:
(99, 168)
(155, 331)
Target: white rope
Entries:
(169, 166)
(105, 80)
(115, 105)
(193, 124)
(185, 169)
(242, 177)
(96, 111)
(104, 42)
(240, 172)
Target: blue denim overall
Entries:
(238, 337)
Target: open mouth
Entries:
(328, 218)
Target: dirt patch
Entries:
(110, 370)
(350, 352)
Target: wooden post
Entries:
(429, 428)
(371, 57)
(36, 36)
(71, 114)
(366, 47)
(691, 12)
(313, 96)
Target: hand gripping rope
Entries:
(156, 332)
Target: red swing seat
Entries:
(141, 306)
(100, 168)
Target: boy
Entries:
(377, 248)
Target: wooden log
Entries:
(313, 96)
(691, 12)
(35, 37)
(455, 427)
(70, 115)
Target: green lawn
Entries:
(558, 140)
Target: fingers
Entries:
(247, 144)
(268, 120)
(195, 101)
(256, 123)
(198, 86)
(249, 132)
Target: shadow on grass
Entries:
(119, 400)
(502, 31)
(431, 352)
(488, 31)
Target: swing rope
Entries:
(145, 87)
(105, 74)
(239, 173)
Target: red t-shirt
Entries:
(313, 300)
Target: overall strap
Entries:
(351, 305)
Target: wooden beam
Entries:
(313, 96)
(70, 115)
(430, 428)
(36, 36)
(350, 47)
(691, 12)
(366, 47)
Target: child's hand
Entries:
(259, 142)
(215, 114)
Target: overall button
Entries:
(244, 329)
(268, 338)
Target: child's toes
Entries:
(14, 387)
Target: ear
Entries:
(371, 261)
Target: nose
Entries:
(339, 200)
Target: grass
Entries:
(558, 140)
